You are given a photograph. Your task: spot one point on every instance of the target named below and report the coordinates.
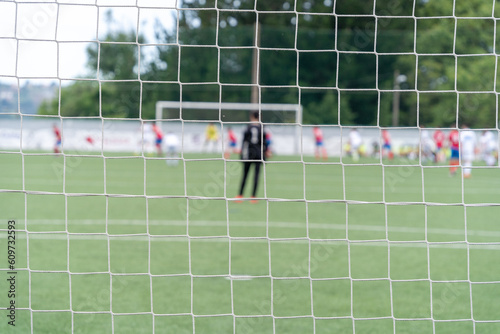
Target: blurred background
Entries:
(395, 63)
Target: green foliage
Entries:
(345, 66)
(116, 56)
(453, 66)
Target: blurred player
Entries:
(488, 145)
(253, 152)
(375, 148)
(386, 147)
(467, 149)
(172, 148)
(454, 143)
(427, 147)
(355, 142)
(269, 141)
(319, 144)
(438, 142)
(232, 142)
(211, 136)
(89, 143)
(57, 134)
(159, 139)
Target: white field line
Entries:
(61, 235)
(292, 225)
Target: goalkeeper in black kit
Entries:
(253, 152)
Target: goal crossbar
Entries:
(297, 108)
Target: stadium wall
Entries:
(34, 133)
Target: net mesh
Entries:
(114, 233)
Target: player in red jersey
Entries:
(319, 144)
(159, 139)
(232, 142)
(57, 134)
(439, 141)
(386, 147)
(454, 142)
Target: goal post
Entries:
(290, 114)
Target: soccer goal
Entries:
(234, 113)
(375, 211)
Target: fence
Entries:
(108, 135)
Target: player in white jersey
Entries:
(467, 149)
(488, 145)
(355, 142)
(172, 144)
(427, 146)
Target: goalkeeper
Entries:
(253, 152)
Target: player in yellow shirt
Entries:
(211, 136)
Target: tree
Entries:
(340, 68)
(117, 94)
(441, 70)
(233, 65)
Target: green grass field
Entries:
(131, 245)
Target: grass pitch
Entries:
(128, 244)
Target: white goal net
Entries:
(128, 206)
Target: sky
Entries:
(48, 40)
